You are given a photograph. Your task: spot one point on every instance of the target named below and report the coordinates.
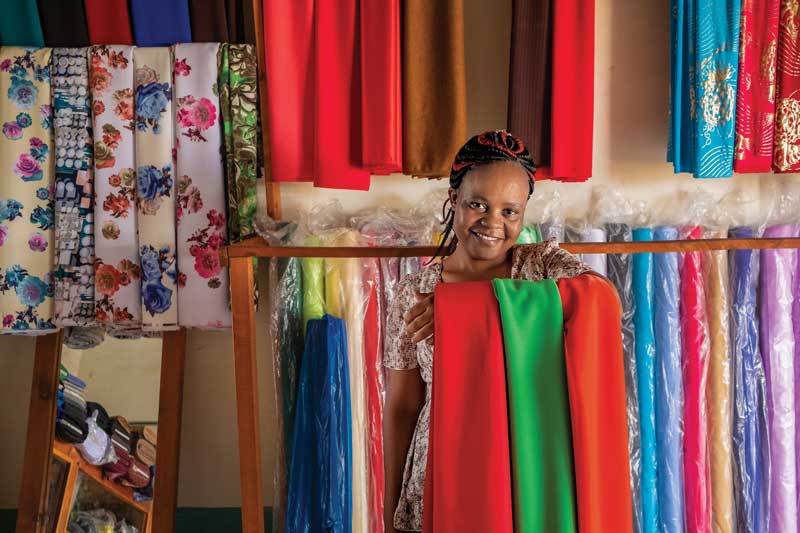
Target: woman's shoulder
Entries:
(424, 280)
(546, 260)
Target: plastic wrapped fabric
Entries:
(313, 283)
(552, 230)
(597, 262)
(750, 439)
(530, 234)
(778, 348)
(97, 448)
(469, 413)
(695, 346)
(286, 333)
(669, 384)
(715, 272)
(319, 496)
(79, 338)
(644, 346)
(619, 272)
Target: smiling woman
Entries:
(490, 184)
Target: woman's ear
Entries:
(453, 195)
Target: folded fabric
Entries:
(77, 389)
(138, 475)
(74, 399)
(20, 24)
(121, 426)
(160, 23)
(82, 338)
(373, 364)
(75, 380)
(102, 415)
(144, 450)
(121, 466)
(96, 446)
(71, 425)
(147, 432)
(63, 22)
(109, 22)
(120, 443)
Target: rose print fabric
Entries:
(155, 187)
(117, 273)
(202, 231)
(74, 190)
(786, 155)
(26, 191)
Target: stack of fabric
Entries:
(143, 445)
(71, 414)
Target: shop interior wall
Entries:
(631, 94)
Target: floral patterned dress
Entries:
(531, 262)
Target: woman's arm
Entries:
(405, 397)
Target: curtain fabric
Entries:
(74, 188)
(20, 24)
(209, 21)
(786, 152)
(201, 225)
(468, 413)
(109, 22)
(26, 193)
(155, 187)
(160, 22)
(64, 23)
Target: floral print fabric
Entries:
(155, 186)
(786, 155)
(74, 190)
(26, 191)
(202, 231)
(117, 272)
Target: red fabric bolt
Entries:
(468, 479)
(109, 21)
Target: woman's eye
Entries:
(510, 212)
(477, 205)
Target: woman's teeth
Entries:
(486, 238)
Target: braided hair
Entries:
(488, 147)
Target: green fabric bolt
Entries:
(530, 235)
(313, 285)
(541, 437)
(19, 23)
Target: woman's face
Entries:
(489, 208)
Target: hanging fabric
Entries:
(74, 188)
(620, 274)
(239, 111)
(750, 443)
(778, 348)
(63, 23)
(680, 150)
(593, 353)
(434, 86)
(20, 24)
(381, 88)
(597, 262)
(117, 271)
(755, 94)
(201, 226)
(26, 192)
(471, 490)
(160, 22)
(240, 19)
(320, 472)
(313, 289)
(155, 187)
(715, 273)
(209, 21)
(786, 155)
(529, 92)
(669, 384)
(695, 346)
(109, 22)
(644, 346)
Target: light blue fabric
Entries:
(669, 385)
(644, 347)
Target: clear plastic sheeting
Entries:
(778, 347)
(669, 385)
(597, 262)
(750, 432)
(620, 274)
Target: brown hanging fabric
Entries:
(241, 28)
(63, 23)
(434, 86)
(209, 21)
(529, 92)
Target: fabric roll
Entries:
(593, 352)
(786, 149)
(644, 347)
(750, 440)
(20, 24)
(83, 338)
(620, 274)
(695, 353)
(145, 451)
(155, 187)
(381, 89)
(119, 468)
(203, 295)
(160, 22)
(75, 380)
(755, 94)
(538, 403)
(320, 495)
(529, 93)
(572, 91)
(120, 443)
(468, 411)
(720, 393)
(552, 230)
(63, 22)
(27, 237)
(530, 234)
(74, 188)
(71, 424)
(597, 262)
(109, 22)
(778, 347)
(239, 112)
(679, 138)
(313, 289)
(669, 384)
(147, 432)
(209, 21)
(434, 86)
(137, 476)
(117, 272)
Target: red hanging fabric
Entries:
(109, 21)
(573, 91)
(468, 479)
(593, 351)
(786, 155)
(755, 97)
(381, 91)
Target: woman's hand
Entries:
(419, 319)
